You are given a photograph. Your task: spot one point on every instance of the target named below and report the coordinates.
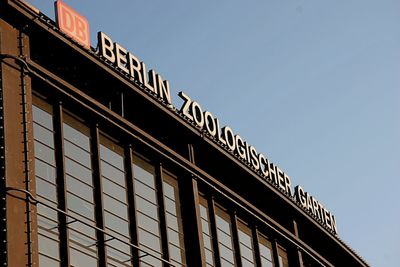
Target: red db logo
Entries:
(72, 23)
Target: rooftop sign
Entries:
(72, 23)
(225, 137)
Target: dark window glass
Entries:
(206, 232)
(46, 189)
(224, 237)
(176, 247)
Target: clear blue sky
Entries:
(313, 84)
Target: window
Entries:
(148, 223)
(79, 192)
(46, 184)
(115, 205)
(173, 219)
(282, 256)
(265, 247)
(206, 232)
(224, 236)
(246, 245)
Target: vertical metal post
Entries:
(298, 257)
(27, 170)
(61, 182)
(3, 203)
(98, 195)
(191, 213)
(275, 253)
(256, 246)
(161, 214)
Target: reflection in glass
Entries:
(46, 188)
(176, 247)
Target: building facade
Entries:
(98, 168)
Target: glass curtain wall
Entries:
(173, 218)
(115, 204)
(79, 193)
(224, 236)
(46, 184)
(148, 222)
(265, 247)
(246, 244)
(206, 232)
(156, 200)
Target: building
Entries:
(98, 168)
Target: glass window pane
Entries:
(79, 258)
(148, 223)
(115, 206)
(112, 173)
(145, 191)
(80, 206)
(265, 251)
(245, 244)
(78, 171)
(224, 236)
(45, 171)
(114, 189)
(79, 188)
(47, 262)
(75, 136)
(46, 189)
(48, 245)
(116, 224)
(44, 152)
(283, 259)
(48, 236)
(43, 135)
(76, 153)
(41, 116)
(174, 219)
(205, 228)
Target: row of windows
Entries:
(252, 245)
(114, 198)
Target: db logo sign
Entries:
(72, 23)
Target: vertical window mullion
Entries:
(161, 213)
(98, 199)
(191, 207)
(131, 205)
(61, 183)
